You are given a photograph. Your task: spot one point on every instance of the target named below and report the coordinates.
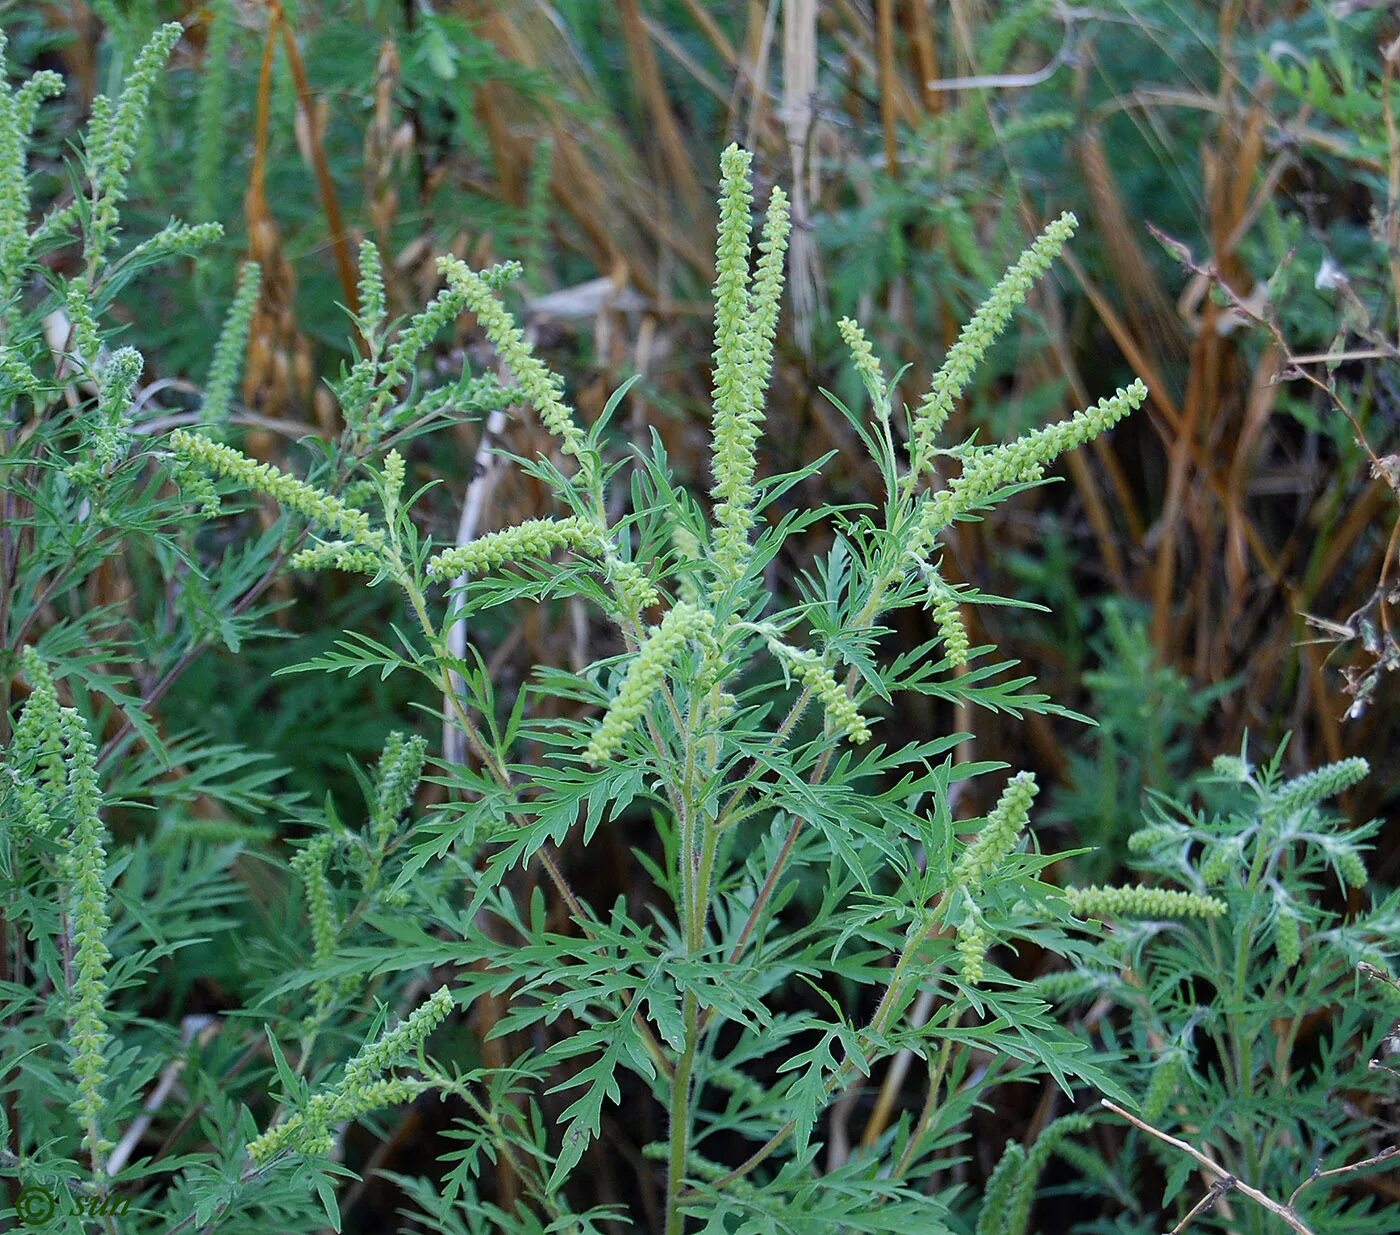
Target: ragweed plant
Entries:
(1248, 1033)
(751, 778)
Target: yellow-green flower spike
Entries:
(363, 1086)
(39, 731)
(644, 677)
(999, 834)
(84, 340)
(371, 291)
(809, 669)
(1019, 462)
(634, 588)
(1000, 1192)
(310, 866)
(972, 950)
(1316, 787)
(866, 363)
(313, 503)
(338, 555)
(1164, 1078)
(540, 386)
(395, 1045)
(765, 300)
(113, 137)
(978, 335)
(1141, 903)
(840, 709)
(18, 110)
(733, 430)
(948, 619)
(227, 364)
(1288, 939)
(536, 538)
(86, 870)
(745, 325)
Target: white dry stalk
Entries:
(200, 1026)
(485, 470)
(798, 114)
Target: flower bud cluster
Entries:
(400, 769)
(1220, 859)
(1096, 902)
(644, 677)
(999, 834)
(541, 387)
(362, 1088)
(315, 504)
(533, 538)
(229, 350)
(1316, 787)
(1019, 462)
(110, 422)
(978, 335)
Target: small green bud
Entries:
(1350, 863)
(972, 950)
(866, 364)
(1220, 859)
(1232, 767)
(1147, 839)
(1288, 942)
